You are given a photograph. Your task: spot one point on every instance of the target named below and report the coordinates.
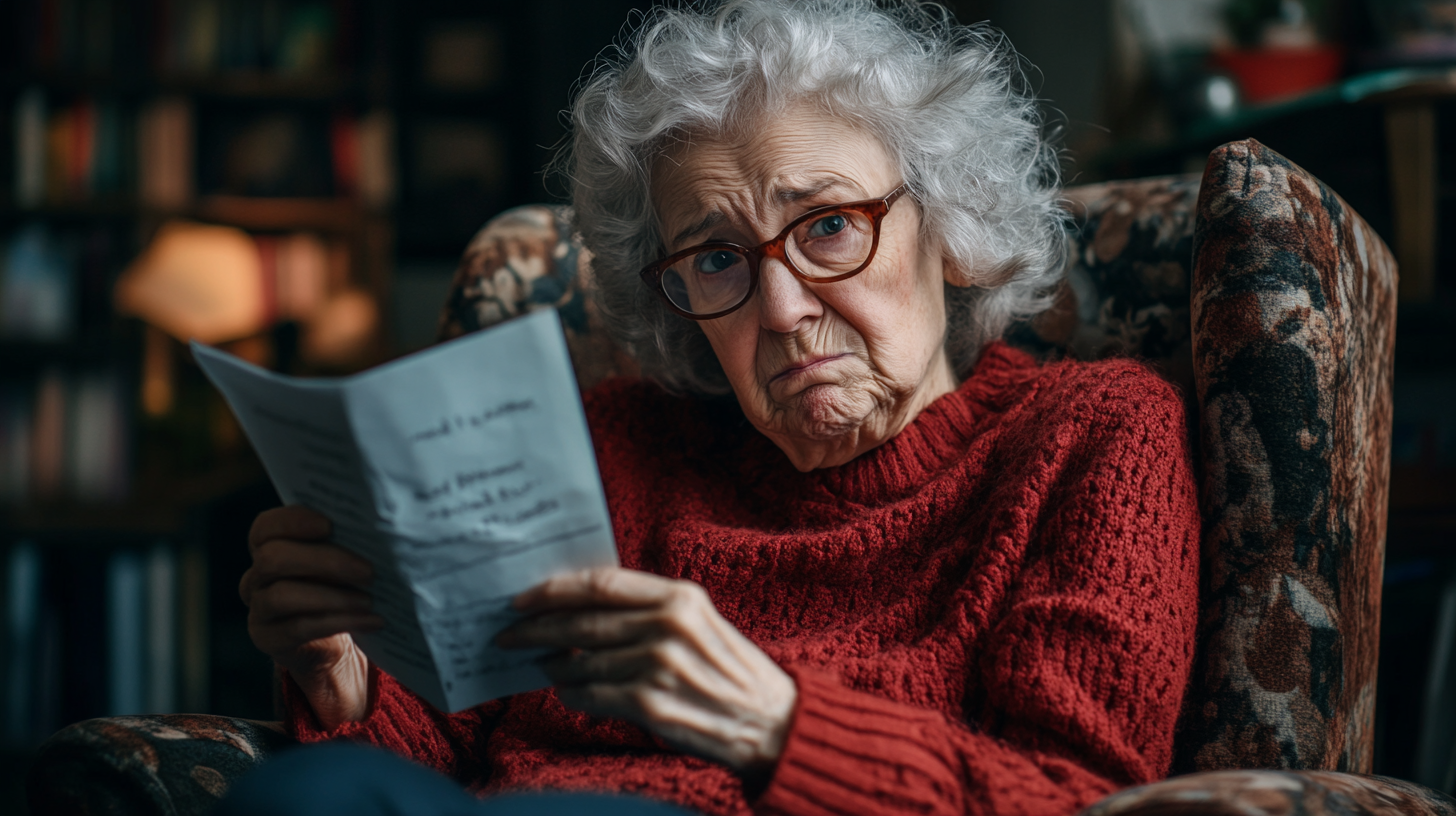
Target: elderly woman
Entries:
(908, 568)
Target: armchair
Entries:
(1258, 292)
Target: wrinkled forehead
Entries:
(754, 171)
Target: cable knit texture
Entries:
(992, 613)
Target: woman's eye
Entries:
(710, 263)
(828, 225)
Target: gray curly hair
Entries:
(949, 102)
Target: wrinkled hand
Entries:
(654, 651)
(303, 600)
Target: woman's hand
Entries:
(303, 600)
(654, 651)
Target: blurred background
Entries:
(294, 180)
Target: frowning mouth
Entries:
(804, 367)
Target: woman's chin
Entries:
(827, 411)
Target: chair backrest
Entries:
(1271, 304)
(1294, 342)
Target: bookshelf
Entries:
(123, 517)
(336, 142)
(370, 138)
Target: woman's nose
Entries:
(784, 301)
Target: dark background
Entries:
(195, 487)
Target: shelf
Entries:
(247, 212)
(326, 214)
(17, 354)
(154, 510)
(111, 208)
(240, 85)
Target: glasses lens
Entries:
(711, 281)
(831, 244)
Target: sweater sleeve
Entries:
(404, 723)
(1081, 676)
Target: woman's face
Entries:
(827, 371)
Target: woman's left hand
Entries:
(654, 651)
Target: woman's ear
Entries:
(984, 277)
(953, 273)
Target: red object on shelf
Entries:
(1271, 74)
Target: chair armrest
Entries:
(1276, 793)
(177, 764)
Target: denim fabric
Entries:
(351, 780)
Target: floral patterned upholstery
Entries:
(1126, 292)
(166, 765)
(1259, 293)
(524, 260)
(1294, 343)
(1275, 793)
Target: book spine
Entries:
(376, 180)
(161, 631)
(194, 645)
(82, 154)
(36, 287)
(164, 155)
(48, 41)
(88, 440)
(23, 583)
(344, 139)
(125, 634)
(106, 172)
(119, 419)
(48, 451)
(58, 154)
(30, 148)
(15, 456)
(98, 38)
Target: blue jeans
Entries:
(343, 778)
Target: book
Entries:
(48, 437)
(344, 143)
(22, 640)
(164, 154)
(461, 55)
(376, 178)
(125, 634)
(16, 405)
(37, 286)
(463, 473)
(193, 658)
(95, 439)
(161, 633)
(65, 435)
(30, 148)
(108, 168)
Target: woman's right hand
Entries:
(304, 598)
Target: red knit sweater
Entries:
(991, 613)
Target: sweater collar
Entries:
(935, 438)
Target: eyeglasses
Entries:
(823, 245)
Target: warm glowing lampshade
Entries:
(197, 282)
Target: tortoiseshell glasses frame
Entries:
(857, 214)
